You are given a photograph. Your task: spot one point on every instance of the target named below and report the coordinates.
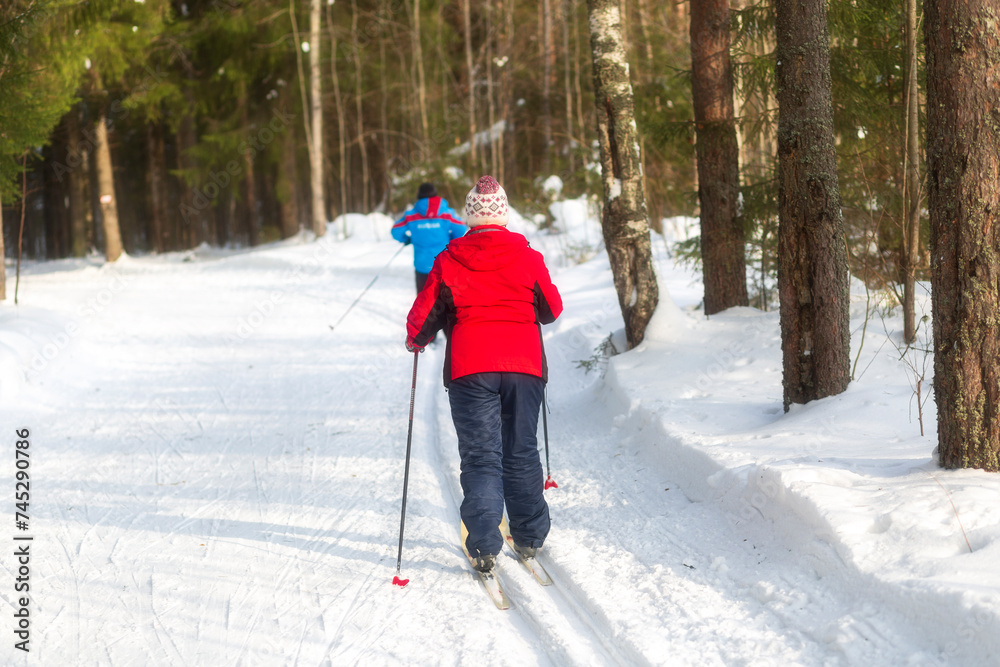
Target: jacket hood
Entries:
(488, 248)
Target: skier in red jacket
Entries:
(492, 292)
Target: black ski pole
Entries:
(406, 475)
(334, 326)
(549, 482)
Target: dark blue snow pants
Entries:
(496, 420)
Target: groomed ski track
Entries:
(219, 479)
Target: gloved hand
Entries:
(411, 347)
(408, 241)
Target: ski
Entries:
(532, 564)
(489, 579)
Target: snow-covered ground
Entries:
(216, 477)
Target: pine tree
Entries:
(963, 165)
(812, 273)
(722, 237)
(35, 91)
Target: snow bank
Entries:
(847, 482)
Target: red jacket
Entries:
(492, 291)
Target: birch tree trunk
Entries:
(106, 183)
(911, 180)
(812, 255)
(963, 178)
(624, 219)
(722, 238)
(316, 116)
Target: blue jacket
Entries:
(429, 225)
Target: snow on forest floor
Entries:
(216, 478)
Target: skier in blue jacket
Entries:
(430, 225)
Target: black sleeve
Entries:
(437, 318)
(543, 312)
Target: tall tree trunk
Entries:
(506, 96)
(418, 61)
(3, 260)
(194, 218)
(471, 74)
(316, 116)
(287, 186)
(359, 111)
(106, 182)
(963, 177)
(76, 159)
(490, 101)
(341, 117)
(157, 186)
(567, 18)
(581, 124)
(911, 180)
(384, 114)
(812, 272)
(722, 237)
(548, 79)
(250, 200)
(624, 219)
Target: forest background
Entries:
(204, 107)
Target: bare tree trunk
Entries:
(418, 57)
(722, 238)
(384, 116)
(359, 111)
(77, 187)
(624, 220)
(194, 227)
(490, 104)
(471, 73)
(250, 200)
(647, 40)
(911, 179)
(287, 187)
(341, 116)
(106, 181)
(567, 17)
(3, 260)
(548, 75)
(963, 177)
(812, 272)
(157, 187)
(581, 124)
(316, 115)
(506, 97)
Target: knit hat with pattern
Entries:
(486, 204)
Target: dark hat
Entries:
(426, 190)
